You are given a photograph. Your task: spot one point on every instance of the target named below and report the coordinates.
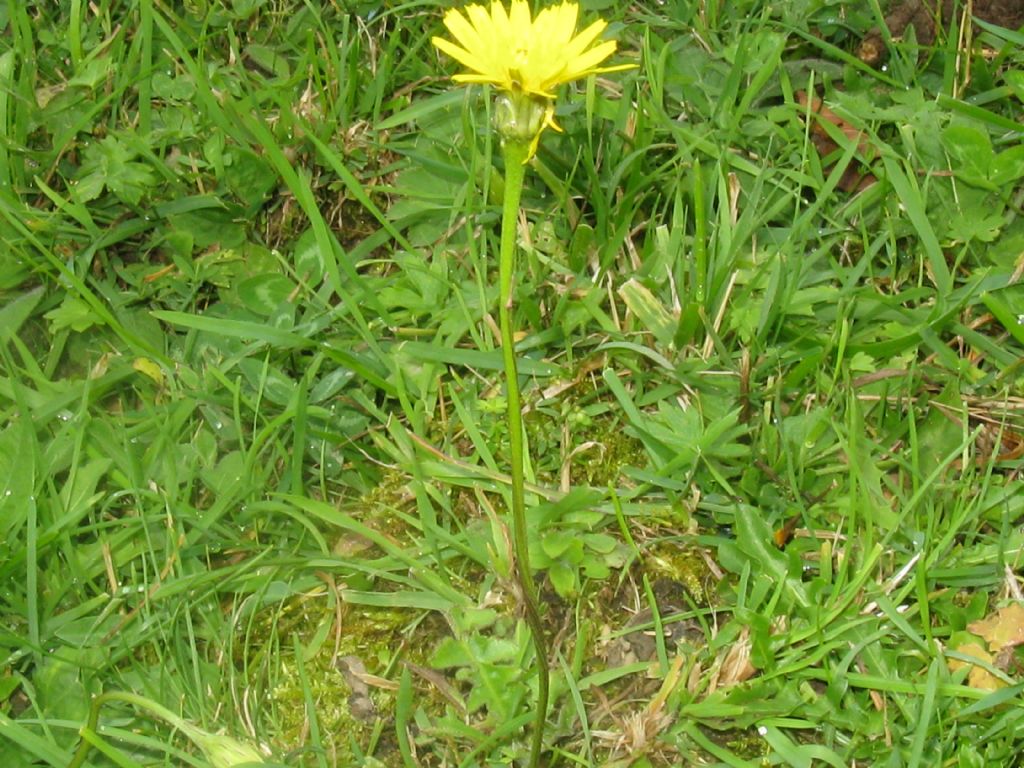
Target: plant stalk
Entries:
(128, 698)
(515, 154)
(220, 750)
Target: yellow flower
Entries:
(525, 57)
(515, 53)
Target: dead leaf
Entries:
(876, 698)
(1003, 629)
(359, 702)
(440, 682)
(978, 677)
(826, 115)
(736, 666)
(855, 178)
(693, 682)
(350, 544)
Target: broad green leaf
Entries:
(564, 578)
(970, 152)
(250, 178)
(556, 542)
(1008, 166)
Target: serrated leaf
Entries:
(110, 163)
(72, 313)
(970, 225)
(497, 650)
(970, 152)
(472, 619)
(450, 653)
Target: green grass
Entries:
(253, 465)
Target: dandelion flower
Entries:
(525, 58)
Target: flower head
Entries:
(525, 57)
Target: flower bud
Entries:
(225, 752)
(519, 116)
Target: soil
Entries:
(925, 16)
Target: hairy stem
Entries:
(516, 153)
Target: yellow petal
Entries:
(584, 38)
(469, 77)
(486, 33)
(460, 55)
(584, 63)
(499, 23)
(463, 32)
(519, 20)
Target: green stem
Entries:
(219, 749)
(516, 153)
(128, 698)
